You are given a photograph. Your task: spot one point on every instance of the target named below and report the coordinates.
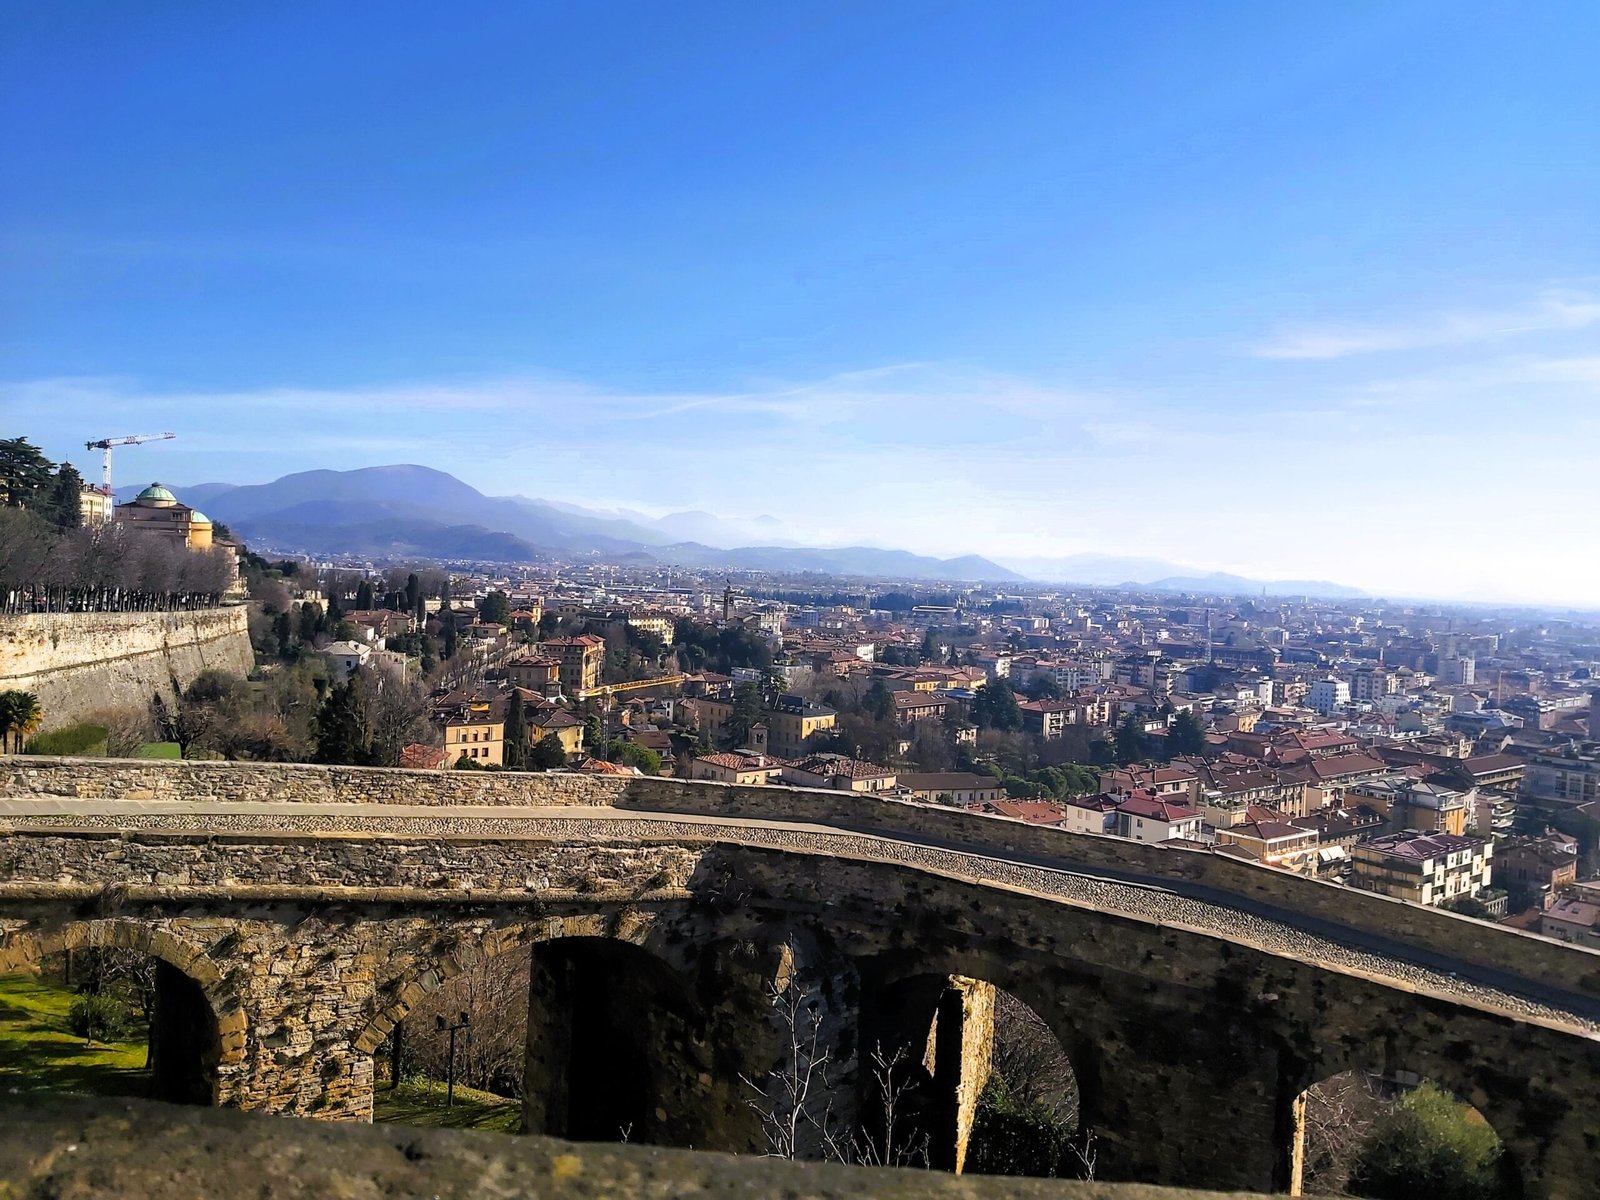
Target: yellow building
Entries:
(156, 511)
(581, 658)
(474, 729)
(792, 720)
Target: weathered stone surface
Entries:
(111, 1149)
(1249, 887)
(1190, 1041)
(79, 662)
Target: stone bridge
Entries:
(300, 912)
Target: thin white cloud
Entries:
(1553, 312)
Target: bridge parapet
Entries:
(1505, 955)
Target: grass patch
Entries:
(84, 738)
(159, 750)
(421, 1102)
(40, 1053)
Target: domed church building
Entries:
(156, 512)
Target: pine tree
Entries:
(516, 733)
(341, 735)
(64, 508)
(24, 473)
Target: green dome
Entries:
(196, 517)
(156, 494)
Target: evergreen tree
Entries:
(547, 754)
(283, 630)
(414, 595)
(1429, 1146)
(1186, 735)
(24, 473)
(495, 608)
(364, 596)
(994, 706)
(1131, 745)
(64, 508)
(516, 732)
(340, 733)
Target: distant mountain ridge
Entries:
(1160, 575)
(416, 511)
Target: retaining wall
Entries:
(77, 663)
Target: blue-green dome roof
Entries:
(156, 494)
(196, 517)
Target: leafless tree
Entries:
(495, 994)
(895, 1143)
(1339, 1114)
(1031, 1061)
(126, 729)
(792, 1102)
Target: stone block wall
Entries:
(1434, 931)
(77, 663)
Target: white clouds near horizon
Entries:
(1421, 483)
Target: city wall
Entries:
(1494, 948)
(77, 663)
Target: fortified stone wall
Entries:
(1434, 930)
(77, 663)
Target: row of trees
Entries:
(102, 568)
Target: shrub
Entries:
(84, 738)
(101, 1018)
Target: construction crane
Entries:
(105, 444)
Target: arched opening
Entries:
(1395, 1136)
(590, 1038)
(471, 1079)
(617, 1049)
(957, 1074)
(110, 1020)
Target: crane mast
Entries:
(104, 445)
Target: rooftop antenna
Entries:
(105, 444)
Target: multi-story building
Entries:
(1327, 695)
(1146, 818)
(1569, 778)
(1538, 865)
(536, 673)
(794, 719)
(474, 728)
(838, 773)
(1423, 868)
(1367, 684)
(952, 787)
(745, 768)
(581, 658)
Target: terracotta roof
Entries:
(420, 757)
(1157, 809)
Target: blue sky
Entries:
(1295, 290)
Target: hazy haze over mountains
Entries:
(407, 510)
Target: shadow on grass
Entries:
(423, 1103)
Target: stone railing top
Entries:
(93, 1148)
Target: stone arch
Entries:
(938, 1011)
(625, 927)
(191, 965)
(24, 948)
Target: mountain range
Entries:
(408, 511)
(1160, 575)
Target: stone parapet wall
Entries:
(1214, 876)
(289, 783)
(77, 663)
(121, 1148)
